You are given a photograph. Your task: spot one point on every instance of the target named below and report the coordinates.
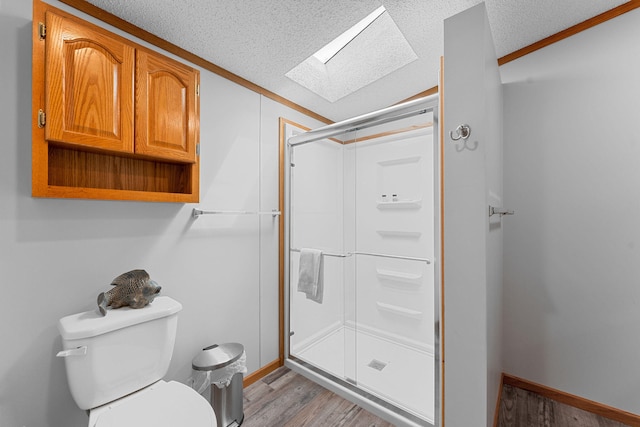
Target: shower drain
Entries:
(377, 365)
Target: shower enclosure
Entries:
(365, 193)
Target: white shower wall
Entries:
(395, 296)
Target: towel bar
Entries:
(197, 212)
(348, 254)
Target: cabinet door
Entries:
(89, 86)
(166, 108)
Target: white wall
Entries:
(472, 242)
(56, 255)
(572, 174)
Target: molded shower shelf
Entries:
(401, 161)
(402, 311)
(400, 204)
(400, 276)
(402, 234)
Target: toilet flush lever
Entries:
(80, 351)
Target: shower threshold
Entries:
(367, 401)
(393, 375)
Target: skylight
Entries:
(372, 49)
(335, 46)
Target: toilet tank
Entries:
(108, 357)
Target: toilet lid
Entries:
(163, 404)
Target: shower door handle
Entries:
(500, 211)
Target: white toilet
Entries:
(115, 366)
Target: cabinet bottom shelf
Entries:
(75, 173)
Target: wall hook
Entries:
(463, 131)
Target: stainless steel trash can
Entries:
(226, 401)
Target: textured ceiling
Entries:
(261, 40)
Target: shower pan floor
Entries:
(400, 374)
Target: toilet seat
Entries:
(162, 404)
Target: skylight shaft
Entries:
(333, 47)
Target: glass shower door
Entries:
(366, 200)
(316, 324)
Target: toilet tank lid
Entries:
(92, 323)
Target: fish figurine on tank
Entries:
(133, 288)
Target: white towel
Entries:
(310, 274)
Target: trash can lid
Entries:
(217, 356)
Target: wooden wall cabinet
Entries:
(166, 108)
(112, 119)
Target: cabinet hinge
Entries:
(198, 149)
(198, 90)
(42, 30)
(42, 119)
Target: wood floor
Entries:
(521, 408)
(286, 399)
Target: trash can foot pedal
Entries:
(235, 423)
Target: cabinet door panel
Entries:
(166, 108)
(89, 95)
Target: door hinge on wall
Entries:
(42, 119)
(197, 90)
(198, 149)
(42, 30)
